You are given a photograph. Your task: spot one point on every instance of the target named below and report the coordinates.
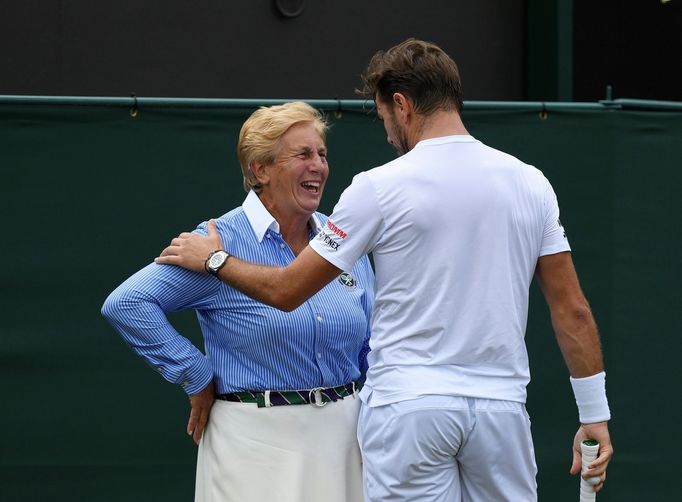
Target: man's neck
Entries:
(437, 125)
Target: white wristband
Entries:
(590, 396)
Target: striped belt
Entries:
(318, 396)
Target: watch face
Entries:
(216, 260)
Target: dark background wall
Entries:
(245, 49)
(575, 48)
(545, 50)
(634, 46)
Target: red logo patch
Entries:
(336, 230)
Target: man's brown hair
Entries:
(420, 70)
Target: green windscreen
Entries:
(90, 192)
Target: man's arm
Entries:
(578, 339)
(572, 320)
(284, 288)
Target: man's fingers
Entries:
(577, 462)
(593, 471)
(600, 484)
(189, 250)
(601, 459)
(597, 468)
(167, 260)
(170, 251)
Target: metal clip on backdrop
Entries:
(290, 8)
(339, 112)
(134, 109)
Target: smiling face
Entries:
(294, 182)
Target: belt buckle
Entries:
(317, 392)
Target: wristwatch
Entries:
(215, 261)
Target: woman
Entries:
(255, 446)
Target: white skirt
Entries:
(297, 453)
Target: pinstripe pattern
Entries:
(248, 345)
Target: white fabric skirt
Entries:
(297, 453)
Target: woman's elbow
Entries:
(120, 303)
(111, 306)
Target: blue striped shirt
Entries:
(248, 345)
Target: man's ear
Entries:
(402, 105)
(260, 172)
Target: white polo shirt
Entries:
(456, 229)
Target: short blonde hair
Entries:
(259, 138)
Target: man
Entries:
(457, 231)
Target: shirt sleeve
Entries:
(137, 310)
(554, 238)
(354, 228)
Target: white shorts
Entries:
(298, 453)
(444, 448)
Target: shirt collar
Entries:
(455, 138)
(261, 220)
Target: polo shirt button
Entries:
(319, 318)
(319, 355)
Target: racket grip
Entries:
(589, 449)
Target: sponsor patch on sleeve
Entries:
(336, 229)
(331, 236)
(331, 241)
